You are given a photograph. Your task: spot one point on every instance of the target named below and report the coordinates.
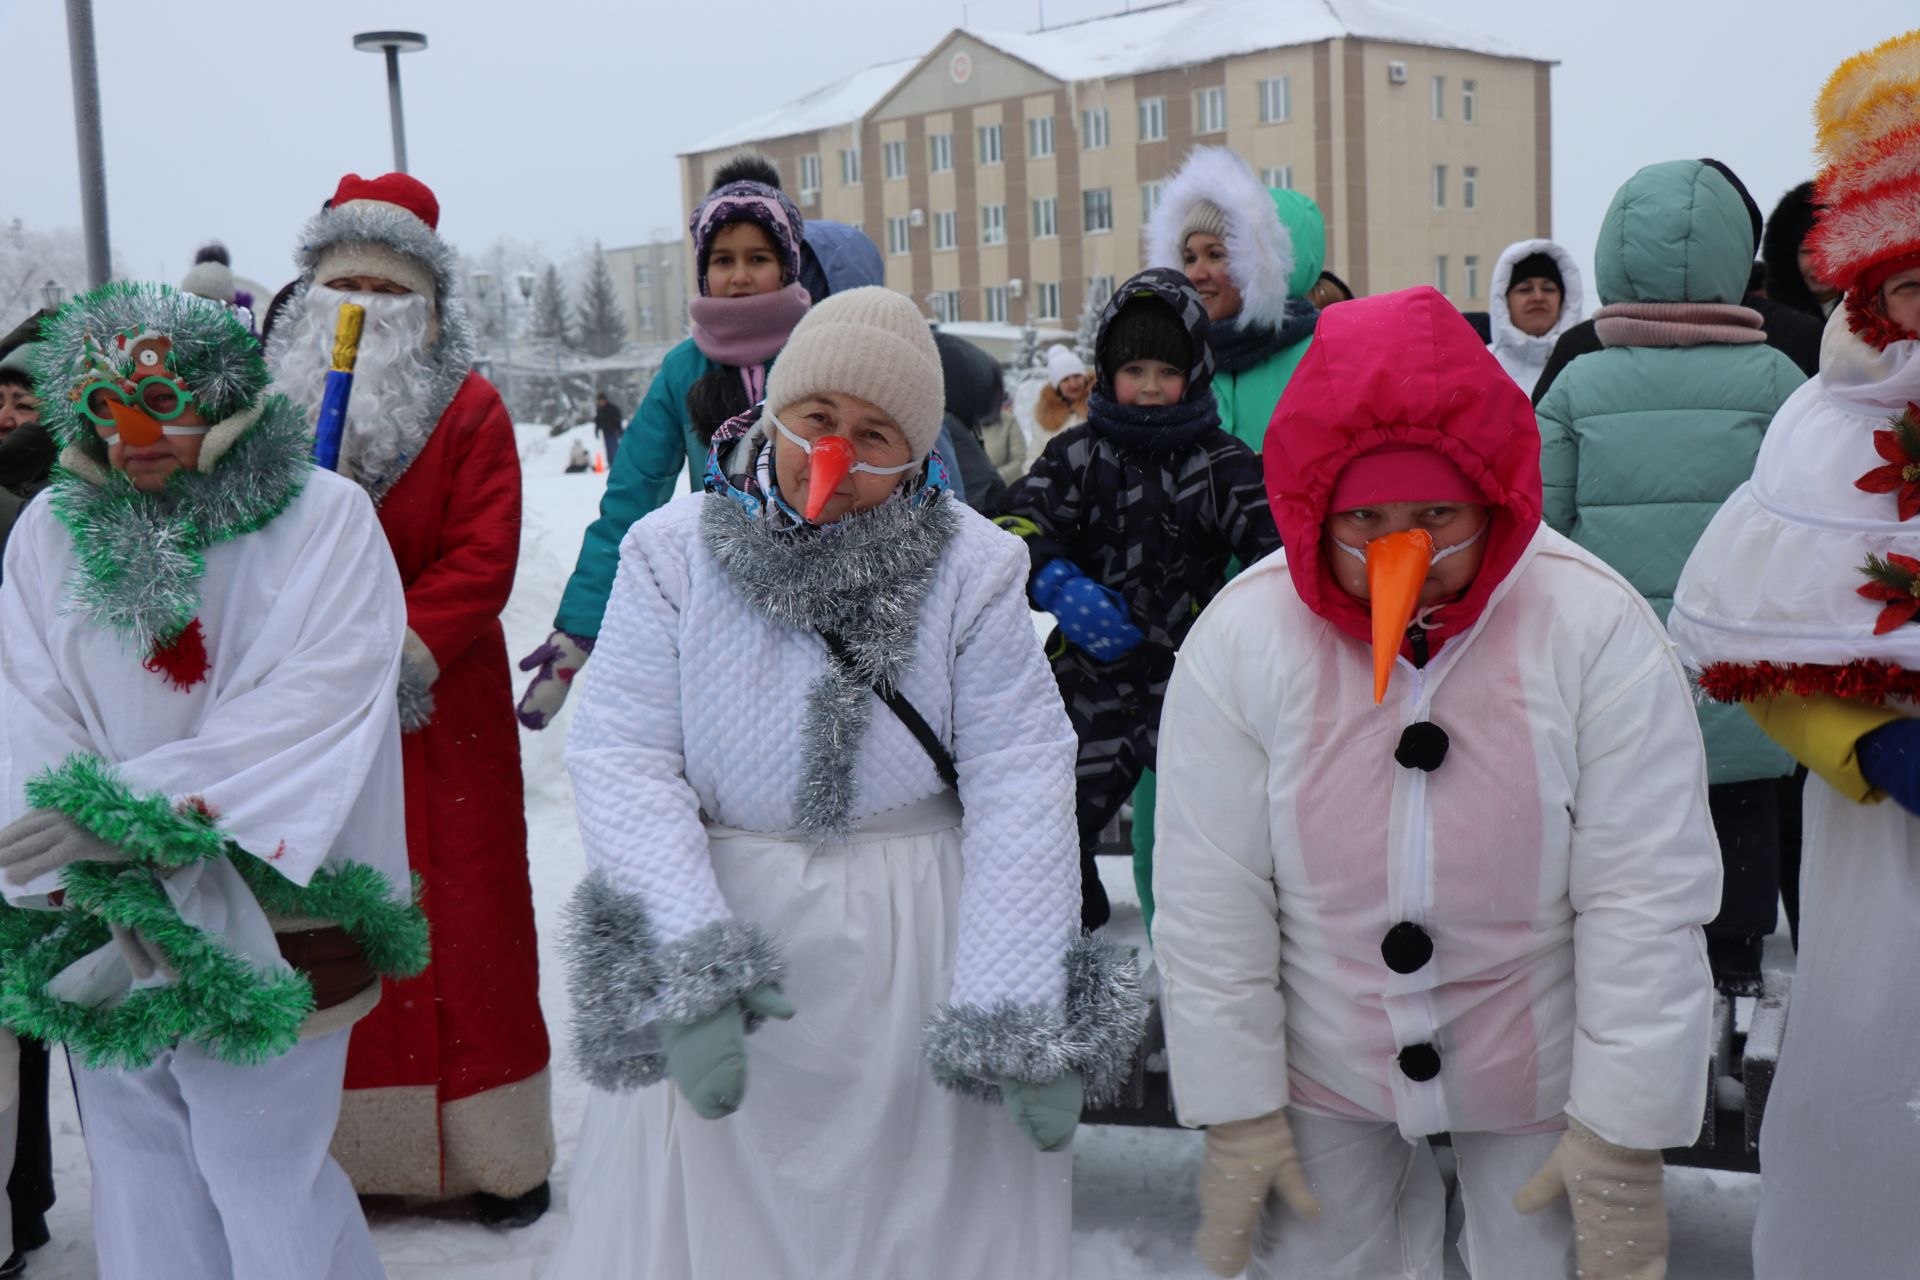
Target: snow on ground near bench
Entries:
(1134, 1204)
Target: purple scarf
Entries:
(747, 332)
(1676, 324)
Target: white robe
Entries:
(846, 1158)
(1773, 579)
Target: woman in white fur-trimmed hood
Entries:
(1535, 296)
(781, 894)
(1253, 253)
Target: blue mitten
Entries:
(1091, 616)
(1046, 1113)
(1890, 759)
(708, 1059)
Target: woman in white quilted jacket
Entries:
(879, 1024)
(1433, 847)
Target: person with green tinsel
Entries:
(202, 837)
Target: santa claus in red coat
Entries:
(447, 1086)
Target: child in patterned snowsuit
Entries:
(1131, 520)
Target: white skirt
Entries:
(1840, 1148)
(846, 1159)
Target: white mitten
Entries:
(1619, 1205)
(1245, 1160)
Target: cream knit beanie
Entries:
(872, 343)
(1204, 216)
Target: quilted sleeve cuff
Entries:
(972, 1047)
(625, 981)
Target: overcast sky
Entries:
(557, 121)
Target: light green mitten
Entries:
(1046, 1113)
(708, 1058)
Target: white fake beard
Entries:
(392, 376)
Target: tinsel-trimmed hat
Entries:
(766, 207)
(872, 343)
(386, 226)
(1868, 137)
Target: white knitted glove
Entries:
(1619, 1206)
(44, 840)
(1246, 1159)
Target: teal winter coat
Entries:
(658, 445)
(1641, 444)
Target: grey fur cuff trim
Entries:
(623, 980)
(971, 1048)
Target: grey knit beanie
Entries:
(1204, 216)
(872, 343)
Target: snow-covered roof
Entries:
(1193, 31)
(842, 102)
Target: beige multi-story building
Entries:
(651, 280)
(1005, 177)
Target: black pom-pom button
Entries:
(1422, 746)
(1406, 948)
(1420, 1062)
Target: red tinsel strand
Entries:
(183, 659)
(1868, 681)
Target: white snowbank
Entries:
(1134, 1205)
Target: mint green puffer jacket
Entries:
(1641, 444)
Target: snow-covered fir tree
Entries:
(550, 308)
(1085, 336)
(602, 323)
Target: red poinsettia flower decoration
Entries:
(1900, 448)
(1895, 582)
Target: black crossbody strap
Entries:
(908, 714)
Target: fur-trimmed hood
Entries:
(1573, 295)
(1276, 240)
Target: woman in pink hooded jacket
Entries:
(1455, 884)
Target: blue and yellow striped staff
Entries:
(331, 424)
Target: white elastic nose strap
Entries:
(867, 467)
(172, 430)
(1360, 553)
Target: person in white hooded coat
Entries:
(1475, 909)
(200, 787)
(1800, 601)
(1540, 281)
(768, 839)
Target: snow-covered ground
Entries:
(1134, 1203)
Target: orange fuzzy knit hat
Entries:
(1868, 139)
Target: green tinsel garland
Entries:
(219, 1001)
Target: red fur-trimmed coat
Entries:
(422, 1115)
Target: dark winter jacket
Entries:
(974, 389)
(1792, 333)
(1780, 250)
(26, 453)
(606, 419)
(1154, 514)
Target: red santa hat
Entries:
(387, 227)
(1868, 122)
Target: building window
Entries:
(1099, 289)
(1469, 188)
(940, 152)
(850, 168)
(1439, 186)
(641, 276)
(810, 172)
(1046, 301)
(1440, 272)
(1439, 97)
(1466, 100)
(1276, 100)
(993, 224)
(1046, 218)
(946, 305)
(1280, 179)
(899, 237)
(1039, 137)
(1093, 129)
(1096, 205)
(996, 308)
(1473, 275)
(1210, 111)
(1153, 119)
(1149, 199)
(946, 225)
(894, 156)
(989, 144)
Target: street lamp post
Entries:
(86, 128)
(482, 284)
(393, 44)
(53, 294)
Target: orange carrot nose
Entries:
(136, 428)
(1397, 567)
(832, 459)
